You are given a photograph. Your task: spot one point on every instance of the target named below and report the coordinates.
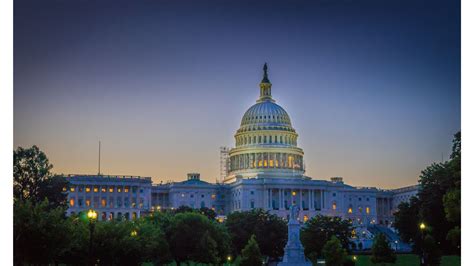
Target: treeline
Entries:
(437, 207)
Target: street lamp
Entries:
(133, 233)
(92, 216)
(422, 229)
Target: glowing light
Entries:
(133, 233)
(92, 215)
(422, 226)
(293, 193)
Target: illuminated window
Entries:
(213, 196)
(265, 163)
(305, 218)
(360, 209)
(103, 202)
(367, 210)
(71, 202)
(88, 189)
(103, 189)
(96, 189)
(111, 189)
(271, 163)
(349, 210)
(88, 202)
(260, 163)
(182, 195)
(64, 189)
(334, 206)
(119, 189)
(72, 189)
(293, 193)
(126, 189)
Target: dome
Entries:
(266, 113)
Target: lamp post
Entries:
(422, 229)
(92, 216)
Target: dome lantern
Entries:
(265, 86)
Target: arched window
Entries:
(334, 205)
(203, 204)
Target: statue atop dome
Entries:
(265, 74)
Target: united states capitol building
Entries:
(264, 170)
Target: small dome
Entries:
(266, 113)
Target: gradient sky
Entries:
(372, 87)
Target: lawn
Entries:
(409, 260)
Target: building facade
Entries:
(264, 170)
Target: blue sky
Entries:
(372, 87)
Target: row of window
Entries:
(264, 139)
(111, 216)
(266, 160)
(110, 189)
(191, 195)
(367, 210)
(111, 203)
(261, 118)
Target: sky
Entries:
(372, 87)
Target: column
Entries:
(301, 200)
(271, 198)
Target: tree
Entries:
(333, 252)
(381, 251)
(193, 237)
(40, 235)
(407, 220)
(33, 180)
(209, 213)
(270, 231)
(251, 253)
(437, 181)
(319, 230)
(432, 253)
(31, 168)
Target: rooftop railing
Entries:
(110, 176)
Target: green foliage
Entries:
(431, 251)
(40, 235)
(381, 251)
(270, 231)
(438, 204)
(333, 252)
(32, 179)
(209, 213)
(193, 237)
(251, 255)
(319, 230)
(452, 205)
(407, 221)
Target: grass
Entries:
(409, 260)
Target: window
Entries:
(293, 193)
(192, 195)
(213, 196)
(182, 195)
(349, 210)
(360, 209)
(334, 206)
(64, 189)
(305, 218)
(119, 189)
(134, 189)
(111, 202)
(126, 189)
(202, 195)
(72, 189)
(103, 189)
(96, 189)
(88, 202)
(252, 204)
(203, 205)
(71, 202)
(81, 188)
(79, 202)
(252, 192)
(103, 202)
(360, 199)
(367, 210)
(111, 189)
(333, 194)
(88, 189)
